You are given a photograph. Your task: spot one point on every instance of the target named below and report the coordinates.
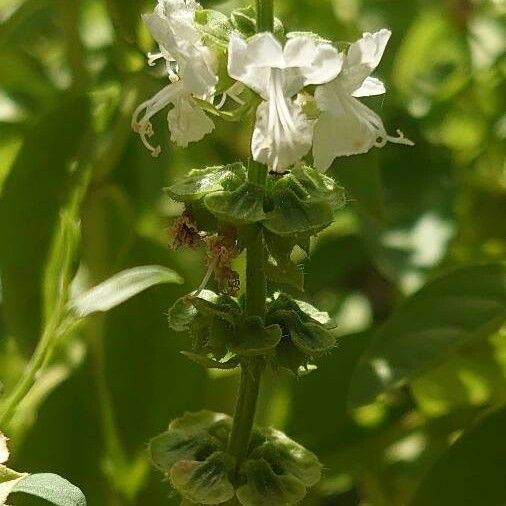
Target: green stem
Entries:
(245, 411)
(256, 291)
(265, 15)
(251, 371)
(36, 363)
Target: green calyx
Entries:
(244, 21)
(292, 336)
(294, 205)
(193, 454)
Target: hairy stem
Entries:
(256, 292)
(265, 15)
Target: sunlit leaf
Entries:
(464, 305)
(52, 488)
(120, 288)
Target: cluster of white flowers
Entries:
(283, 133)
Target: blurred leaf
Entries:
(472, 471)
(455, 309)
(34, 191)
(52, 488)
(472, 377)
(121, 287)
(433, 62)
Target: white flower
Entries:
(346, 126)
(283, 134)
(190, 67)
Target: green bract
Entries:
(193, 454)
(307, 332)
(295, 205)
(244, 20)
(293, 335)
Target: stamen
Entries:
(153, 57)
(402, 139)
(221, 103)
(149, 108)
(207, 277)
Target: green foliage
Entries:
(470, 473)
(52, 488)
(121, 287)
(465, 305)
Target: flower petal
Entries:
(159, 29)
(243, 69)
(318, 62)
(370, 87)
(264, 50)
(187, 122)
(362, 58)
(180, 16)
(282, 134)
(349, 128)
(369, 49)
(196, 75)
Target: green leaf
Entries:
(34, 192)
(199, 183)
(472, 470)
(242, 206)
(455, 309)
(52, 488)
(121, 287)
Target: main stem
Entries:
(251, 370)
(256, 293)
(265, 15)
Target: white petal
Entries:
(280, 141)
(180, 15)
(369, 49)
(242, 68)
(264, 50)
(362, 58)
(370, 87)
(349, 128)
(188, 122)
(195, 73)
(299, 51)
(159, 29)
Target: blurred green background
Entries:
(71, 73)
